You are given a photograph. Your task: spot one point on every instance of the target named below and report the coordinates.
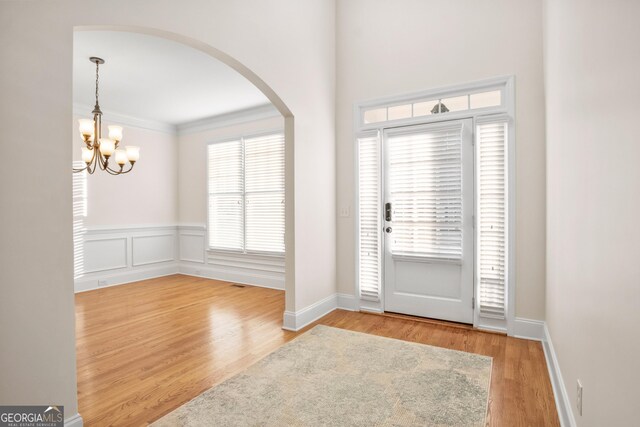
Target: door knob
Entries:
(388, 229)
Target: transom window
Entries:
(246, 194)
(417, 107)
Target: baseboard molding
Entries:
(528, 329)
(294, 321)
(347, 302)
(121, 278)
(252, 279)
(563, 404)
(74, 421)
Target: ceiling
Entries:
(156, 79)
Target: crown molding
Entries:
(260, 112)
(127, 120)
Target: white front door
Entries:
(428, 220)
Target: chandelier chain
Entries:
(97, 77)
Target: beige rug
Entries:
(334, 377)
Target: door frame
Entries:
(505, 111)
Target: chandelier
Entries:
(97, 151)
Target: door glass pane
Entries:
(425, 186)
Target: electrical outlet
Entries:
(579, 398)
(102, 283)
(344, 212)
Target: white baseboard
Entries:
(347, 302)
(563, 404)
(73, 421)
(528, 329)
(252, 279)
(294, 321)
(120, 278)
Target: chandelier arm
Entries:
(104, 162)
(119, 172)
(94, 159)
(128, 170)
(111, 172)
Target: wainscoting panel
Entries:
(112, 256)
(105, 253)
(192, 245)
(152, 249)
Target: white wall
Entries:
(289, 44)
(386, 48)
(593, 199)
(147, 195)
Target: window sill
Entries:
(229, 252)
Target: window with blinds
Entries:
(425, 189)
(492, 215)
(246, 194)
(369, 223)
(79, 193)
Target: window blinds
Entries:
(425, 187)
(226, 198)
(246, 194)
(369, 226)
(492, 214)
(264, 188)
(79, 193)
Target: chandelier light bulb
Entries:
(115, 133)
(121, 156)
(87, 155)
(85, 127)
(133, 153)
(107, 146)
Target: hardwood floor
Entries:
(143, 349)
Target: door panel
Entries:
(428, 239)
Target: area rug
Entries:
(335, 377)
